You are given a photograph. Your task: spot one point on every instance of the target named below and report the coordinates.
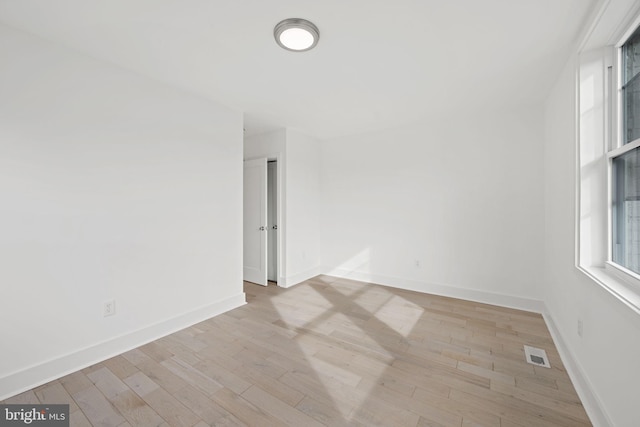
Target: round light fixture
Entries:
(296, 34)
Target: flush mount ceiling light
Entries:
(296, 34)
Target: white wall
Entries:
(606, 356)
(265, 145)
(299, 185)
(451, 206)
(111, 186)
(303, 207)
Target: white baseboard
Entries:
(590, 400)
(485, 297)
(300, 277)
(37, 375)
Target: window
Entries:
(625, 162)
(608, 157)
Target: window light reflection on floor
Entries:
(335, 366)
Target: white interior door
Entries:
(255, 221)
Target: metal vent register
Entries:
(536, 356)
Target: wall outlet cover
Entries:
(109, 308)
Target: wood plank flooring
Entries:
(331, 352)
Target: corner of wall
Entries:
(590, 400)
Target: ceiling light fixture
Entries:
(296, 34)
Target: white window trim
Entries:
(620, 150)
(612, 279)
(594, 189)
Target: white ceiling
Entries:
(379, 63)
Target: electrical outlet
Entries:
(580, 328)
(417, 262)
(109, 308)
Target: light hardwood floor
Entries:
(331, 352)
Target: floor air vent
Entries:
(536, 356)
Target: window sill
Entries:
(613, 280)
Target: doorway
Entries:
(261, 243)
(272, 221)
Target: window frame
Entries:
(598, 134)
(616, 146)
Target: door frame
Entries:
(281, 202)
